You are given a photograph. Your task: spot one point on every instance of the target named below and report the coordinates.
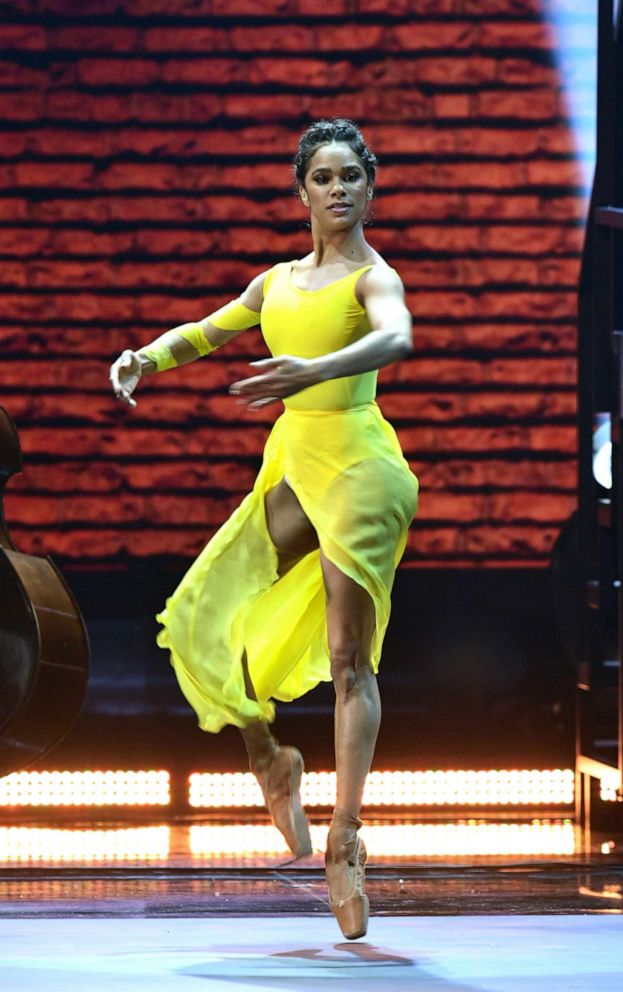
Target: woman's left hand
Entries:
(281, 376)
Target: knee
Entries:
(350, 667)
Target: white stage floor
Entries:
(565, 953)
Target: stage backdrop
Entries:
(145, 178)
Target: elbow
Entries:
(404, 344)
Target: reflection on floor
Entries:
(528, 906)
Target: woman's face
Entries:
(336, 186)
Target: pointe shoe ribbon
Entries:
(280, 784)
(345, 869)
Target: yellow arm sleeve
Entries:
(234, 316)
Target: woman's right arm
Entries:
(187, 342)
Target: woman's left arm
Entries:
(389, 339)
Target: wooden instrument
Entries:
(44, 648)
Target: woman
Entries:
(295, 587)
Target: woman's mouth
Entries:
(340, 208)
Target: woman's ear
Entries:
(370, 192)
(303, 195)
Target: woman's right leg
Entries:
(278, 769)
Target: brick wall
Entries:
(145, 178)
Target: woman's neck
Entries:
(339, 246)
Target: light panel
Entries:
(32, 844)
(523, 787)
(401, 840)
(88, 788)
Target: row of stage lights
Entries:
(248, 841)
(388, 789)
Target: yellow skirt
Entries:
(348, 472)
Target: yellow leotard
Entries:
(344, 462)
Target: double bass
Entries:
(44, 647)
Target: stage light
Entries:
(602, 450)
(86, 788)
(525, 787)
(20, 844)
(398, 840)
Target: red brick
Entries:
(506, 540)
(351, 37)
(398, 7)
(22, 105)
(126, 440)
(498, 143)
(538, 507)
(193, 475)
(415, 140)
(14, 209)
(23, 36)
(452, 105)
(529, 104)
(527, 240)
(432, 407)
(507, 8)
(88, 242)
(87, 7)
(182, 40)
(14, 75)
(453, 507)
(183, 8)
(497, 474)
(518, 406)
(117, 72)
(308, 8)
(306, 72)
(514, 338)
(206, 72)
(494, 206)
(28, 241)
(69, 141)
(548, 306)
(95, 210)
(516, 34)
(453, 71)
(63, 175)
(508, 438)
(549, 173)
(418, 206)
(66, 477)
(94, 38)
(418, 36)
(258, 8)
(517, 72)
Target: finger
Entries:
(249, 385)
(265, 362)
(256, 404)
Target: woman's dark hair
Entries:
(324, 132)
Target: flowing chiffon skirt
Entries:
(348, 472)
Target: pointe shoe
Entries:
(345, 878)
(280, 784)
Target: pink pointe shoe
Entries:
(345, 868)
(280, 783)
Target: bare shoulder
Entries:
(253, 296)
(380, 280)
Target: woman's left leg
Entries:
(350, 624)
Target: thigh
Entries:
(350, 613)
(289, 527)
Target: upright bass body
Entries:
(44, 649)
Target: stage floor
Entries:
(161, 905)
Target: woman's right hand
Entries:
(125, 375)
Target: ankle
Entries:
(343, 829)
(261, 746)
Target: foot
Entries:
(344, 866)
(280, 780)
